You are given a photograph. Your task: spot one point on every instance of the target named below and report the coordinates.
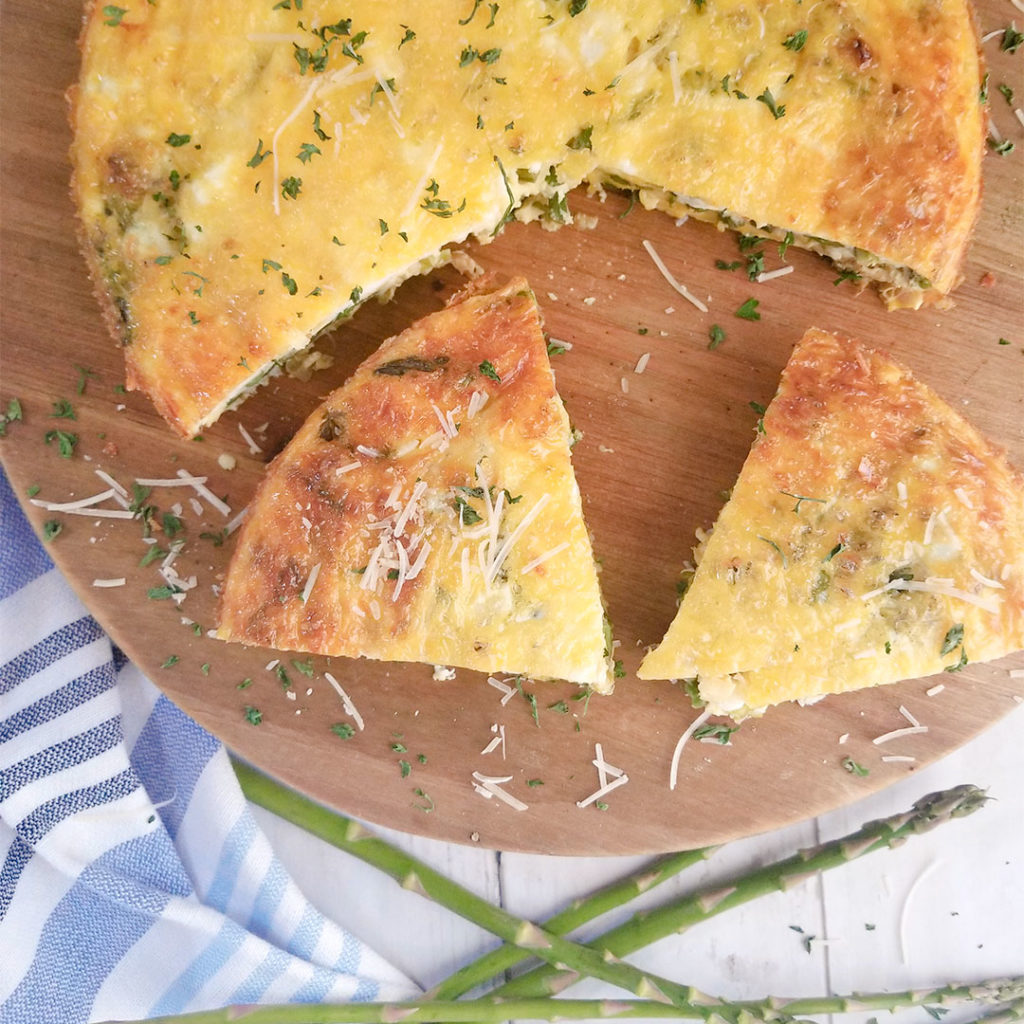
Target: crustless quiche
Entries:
(427, 511)
(248, 172)
(872, 535)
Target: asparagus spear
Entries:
(568, 961)
(578, 913)
(1008, 1014)
(492, 1009)
(350, 836)
(562, 954)
(647, 927)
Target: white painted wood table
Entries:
(946, 906)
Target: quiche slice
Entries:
(427, 511)
(247, 173)
(872, 535)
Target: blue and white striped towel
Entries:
(133, 879)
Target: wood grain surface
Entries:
(658, 450)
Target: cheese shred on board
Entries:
(362, 541)
(859, 546)
(364, 140)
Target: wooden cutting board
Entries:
(658, 450)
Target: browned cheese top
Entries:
(873, 535)
(427, 511)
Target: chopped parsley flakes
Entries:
(748, 311)
(13, 414)
(778, 109)
(65, 442)
(260, 155)
(1010, 41)
(112, 15)
(581, 140)
(953, 639)
(291, 187)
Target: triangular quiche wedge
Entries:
(427, 511)
(247, 173)
(872, 535)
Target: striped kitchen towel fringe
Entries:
(134, 881)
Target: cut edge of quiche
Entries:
(428, 512)
(873, 535)
(220, 246)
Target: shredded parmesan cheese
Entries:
(119, 491)
(496, 563)
(421, 558)
(690, 730)
(410, 507)
(603, 791)
(665, 273)
(908, 716)
(92, 513)
(507, 692)
(448, 427)
(934, 587)
(236, 522)
(984, 580)
(346, 702)
(488, 786)
(641, 363)
(119, 582)
(910, 730)
(604, 770)
(771, 275)
(391, 501)
(540, 559)
(436, 440)
(929, 529)
(254, 448)
(299, 107)
(477, 401)
(403, 570)
(497, 741)
(73, 506)
(673, 70)
(310, 582)
(428, 170)
(963, 497)
(198, 484)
